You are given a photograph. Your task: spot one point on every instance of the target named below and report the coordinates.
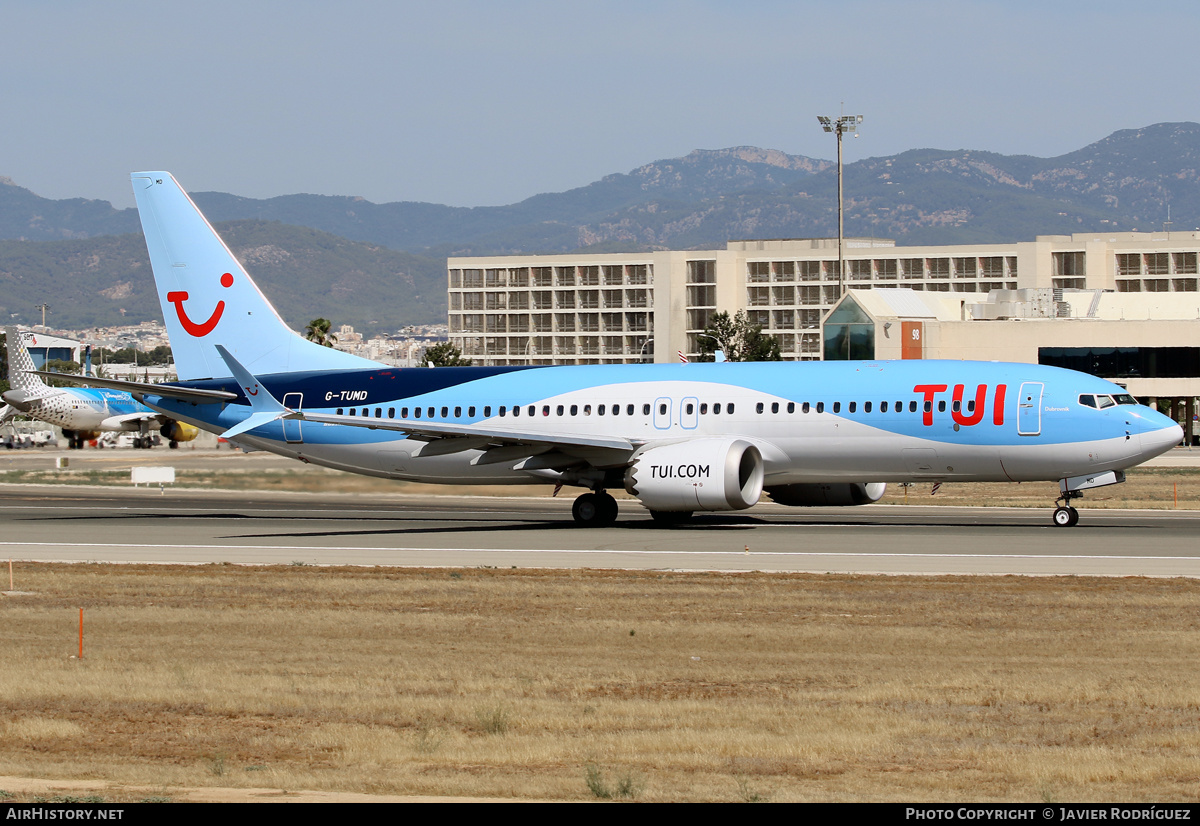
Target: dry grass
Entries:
(550, 684)
(1146, 487)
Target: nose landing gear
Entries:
(1073, 487)
(1065, 516)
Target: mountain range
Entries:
(388, 259)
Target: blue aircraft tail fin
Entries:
(207, 297)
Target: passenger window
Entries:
(899, 407)
(458, 412)
(662, 410)
(587, 410)
(690, 408)
(729, 408)
(339, 411)
(629, 410)
(804, 408)
(353, 411)
(853, 406)
(487, 411)
(445, 413)
(416, 412)
(703, 408)
(391, 412)
(820, 407)
(503, 410)
(403, 412)
(470, 412)
(546, 410)
(533, 409)
(758, 408)
(942, 406)
(883, 407)
(517, 410)
(559, 410)
(912, 407)
(774, 407)
(378, 412)
(837, 407)
(716, 408)
(792, 407)
(970, 405)
(645, 410)
(866, 407)
(600, 410)
(574, 410)
(956, 406)
(928, 407)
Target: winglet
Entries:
(264, 408)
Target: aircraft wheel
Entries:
(608, 508)
(1065, 517)
(587, 510)
(173, 444)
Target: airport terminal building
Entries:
(1125, 304)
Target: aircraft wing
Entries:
(444, 437)
(137, 389)
(429, 430)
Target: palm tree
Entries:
(320, 330)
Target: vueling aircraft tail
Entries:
(208, 299)
(19, 365)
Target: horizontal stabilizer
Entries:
(264, 407)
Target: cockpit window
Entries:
(1124, 398)
(1100, 402)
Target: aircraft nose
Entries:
(1155, 442)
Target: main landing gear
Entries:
(595, 510)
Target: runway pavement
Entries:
(43, 522)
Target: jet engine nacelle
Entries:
(179, 431)
(817, 494)
(81, 435)
(703, 474)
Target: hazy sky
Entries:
(477, 103)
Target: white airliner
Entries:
(82, 413)
(680, 437)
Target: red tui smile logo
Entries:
(206, 327)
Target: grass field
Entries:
(586, 685)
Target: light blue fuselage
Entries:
(813, 422)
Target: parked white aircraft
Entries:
(82, 413)
(679, 437)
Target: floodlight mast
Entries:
(845, 123)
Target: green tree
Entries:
(320, 330)
(61, 366)
(738, 339)
(445, 355)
